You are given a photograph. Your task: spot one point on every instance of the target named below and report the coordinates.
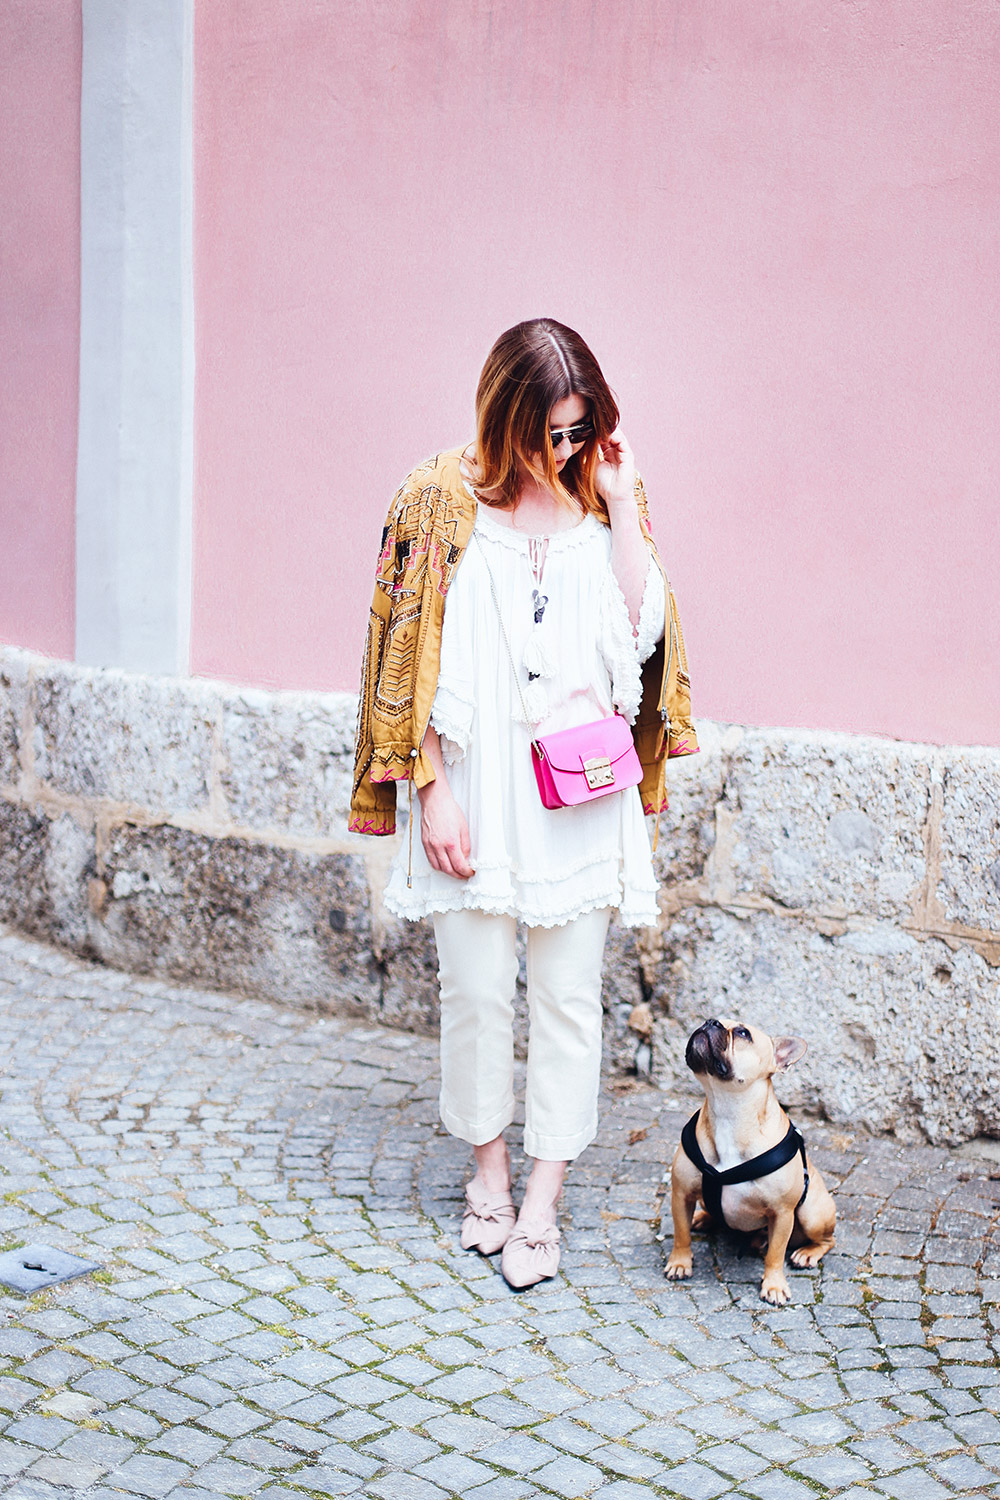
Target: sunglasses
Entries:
(577, 435)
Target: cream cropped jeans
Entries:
(477, 967)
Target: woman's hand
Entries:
(444, 831)
(615, 473)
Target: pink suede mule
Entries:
(530, 1256)
(488, 1219)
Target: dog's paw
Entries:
(678, 1267)
(808, 1255)
(701, 1219)
(774, 1289)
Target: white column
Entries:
(135, 446)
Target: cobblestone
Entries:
(284, 1310)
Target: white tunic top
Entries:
(544, 866)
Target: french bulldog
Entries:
(739, 1120)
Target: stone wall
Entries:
(839, 887)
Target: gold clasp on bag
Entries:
(598, 772)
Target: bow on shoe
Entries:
(530, 1256)
(487, 1221)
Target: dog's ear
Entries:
(788, 1050)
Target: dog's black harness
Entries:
(713, 1181)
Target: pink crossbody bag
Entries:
(577, 765)
(580, 764)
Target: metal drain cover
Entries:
(36, 1266)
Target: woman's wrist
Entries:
(432, 790)
(623, 510)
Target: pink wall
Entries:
(40, 42)
(775, 223)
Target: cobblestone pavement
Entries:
(285, 1310)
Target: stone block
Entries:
(237, 914)
(623, 988)
(287, 760)
(127, 738)
(832, 823)
(969, 886)
(694, 784)
(69, 865)
(407, 959)
(14, 692)
(25, 899)
(868, 1016)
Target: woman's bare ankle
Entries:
(542, 1193)
(493, 1166)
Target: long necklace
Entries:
(537, 658)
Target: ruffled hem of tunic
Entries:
(636, 905)
(628, 916)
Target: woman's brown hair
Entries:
(531, 367)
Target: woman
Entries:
(518, 593)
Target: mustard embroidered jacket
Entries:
(426, 532)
